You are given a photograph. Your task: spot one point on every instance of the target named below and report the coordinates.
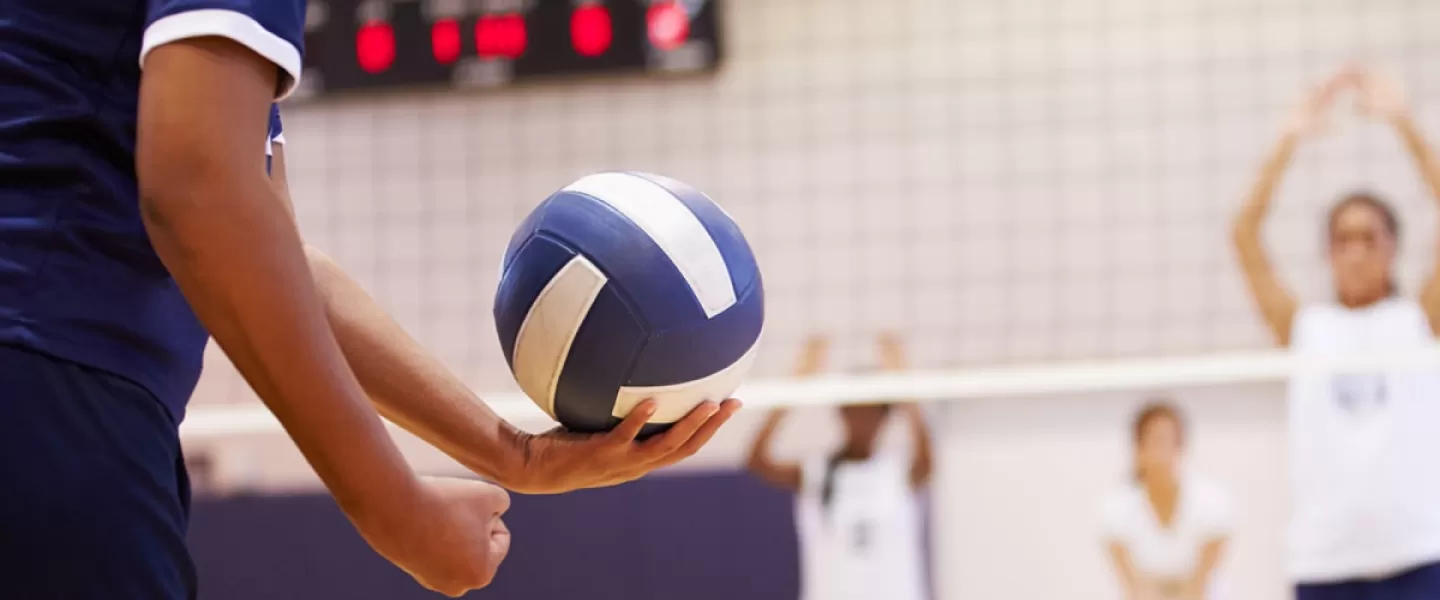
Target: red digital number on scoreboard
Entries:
(500, 36)
(590, 29)
(375, 46)
(445, 40)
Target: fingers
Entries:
(692, 433)
(670, 441)
(627, 430)
(702, 436)
(499, 542)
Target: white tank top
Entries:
(1364, 449)
(866, 544)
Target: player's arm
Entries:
(408, 385)
(234, 250)
(1276, 304)
(761, 461)
(1383, 97)
(215, 220)
(1124, 569)
(922, 457)
(1210, 555)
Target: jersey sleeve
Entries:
(274, 29)
(1115, 516)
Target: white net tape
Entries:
(212, 422)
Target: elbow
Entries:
(1242, 230)
(166, 194)
(758, 462)
(322, 267)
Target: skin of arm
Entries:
(1125, 570)
(1275, 302)
(1209, 557)
(1383, 97)
(785, 475)
(922, 462)
(233, 248)
(408, 385)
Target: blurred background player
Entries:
(137, 220)
(1364, 487)
(1167, 529)
(856, 509)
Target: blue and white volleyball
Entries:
(624, 287)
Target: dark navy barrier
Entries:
(691, 537)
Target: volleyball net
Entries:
(1140, 377)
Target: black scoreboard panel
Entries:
(354, 45)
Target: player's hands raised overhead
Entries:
(1311, 115)
(448, 535)
(1382, 96)
(561, 461)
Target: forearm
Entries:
(1209, 558)
(408, 385)
(759, 457)
(1420, 150)
(1124, 570)
(258, 302)
(1257, 205)
(922, 464)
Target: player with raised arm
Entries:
(857, 512)
(137, 220)
(1365, 520)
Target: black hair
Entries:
(832, 464)
(1388, 218)
(1153, 410)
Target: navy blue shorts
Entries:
(1420, 583)
(94, 499)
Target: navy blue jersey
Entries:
(79, 279)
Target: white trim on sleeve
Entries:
(278, 139)
(231, 24)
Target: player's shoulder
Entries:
(1123, 497)
(1121, 507)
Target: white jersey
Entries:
(1203, 514)
(1364, 449)
(866, 544)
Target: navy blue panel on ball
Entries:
(534, 264)
(681, 355)
(604, 347)
(723, 230)
(650, 282)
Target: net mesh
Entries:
(999, 182)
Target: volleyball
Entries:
(623, 287)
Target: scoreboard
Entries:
(357, 45)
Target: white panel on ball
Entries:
(550, 327)
(673, 402)
(676, 230)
